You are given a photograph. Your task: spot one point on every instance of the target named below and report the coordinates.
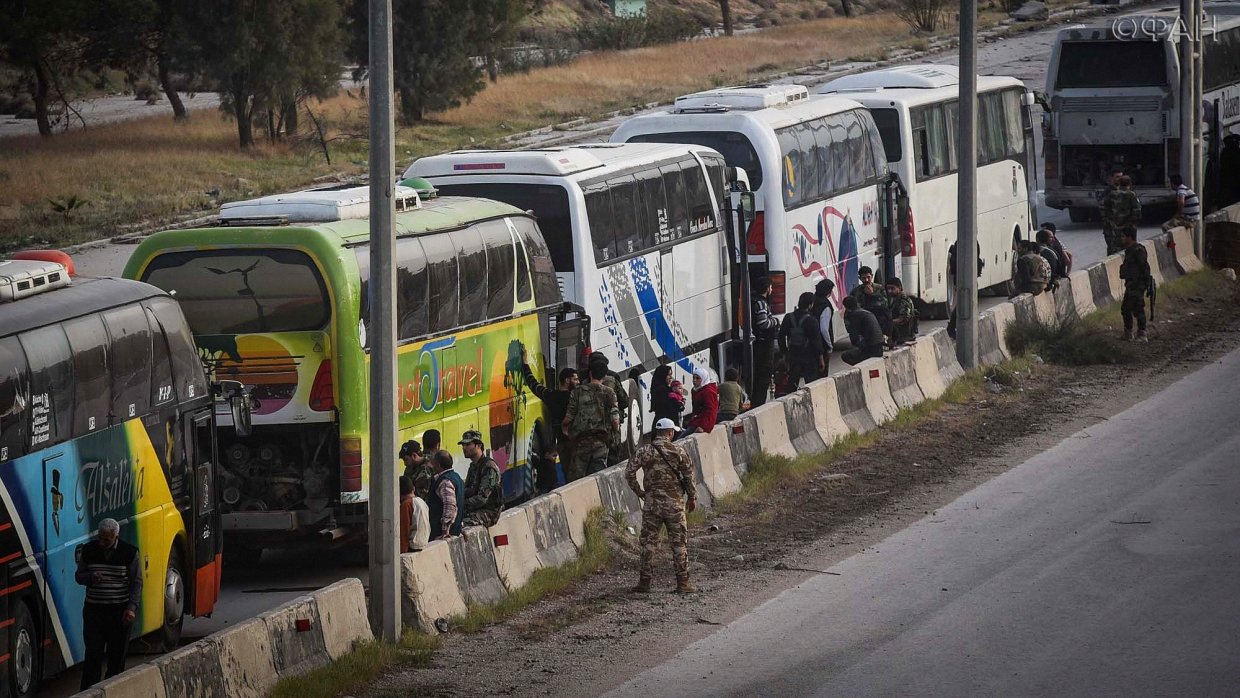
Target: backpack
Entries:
(595, 406)
(797, 336)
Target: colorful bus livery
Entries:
(284, 308)
(105, 412)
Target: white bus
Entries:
(637, 237)
(816, 166)
(915, 108)
(1113, 93)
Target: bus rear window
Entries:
(549, 202)
(1111, 64)
(734, 147)
(244, 291)
(888, 123)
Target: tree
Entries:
(725, 7)
(496, 26)
(268, 56)
(40, 38)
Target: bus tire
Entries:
(169, 633)
(24, 647)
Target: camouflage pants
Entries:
(653, 520)
(1110, 235)
(589, 456)
(482, 517)
(1133, 308)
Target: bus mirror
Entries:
(748, 206)
(238, 403)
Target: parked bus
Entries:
(278, 298)
(915, 108)
(104, 413)
(637, 237)
(816, 165)
(1113, 97)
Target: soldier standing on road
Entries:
(613, 382)
(669, 490)
(1121, 211)
(590, 422)
(765, 330)
(447, 500)
(1135, 271)
(417, 467)
(484, 495)
(109, 569)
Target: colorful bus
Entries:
(282, 305)
(822, 192)
(915, 109)
(638, 239)
(105, 412)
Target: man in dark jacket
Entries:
(110, 570)
(864, 332)
(801, 342)
(1135, 271)
(556, 401)
(765, 330)
(871, 296)
(824, 311)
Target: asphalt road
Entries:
(1104, 566)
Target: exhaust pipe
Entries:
(333, 534)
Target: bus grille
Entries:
(1109, 104)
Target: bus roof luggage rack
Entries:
(320, 205)
(20, 278)
(748, 98)
(924, 76)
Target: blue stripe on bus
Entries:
(660, 331)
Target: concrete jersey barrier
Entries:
(1114, 282)
(825, 403)
(1082, 292)
(473, 561)
(945, 355)
(926, 368)
(743, 442)
(878, 398)
(246, 662)
(772, 428)
(580, 498)
(854, 410)
(1100, 285)
(429, 587)
(1185, 258)
(712, 459)
(517, 559)
(802, 427)
(902, 378)
(553, 540)
(989, 342)
(615, 494)
(1044, 309)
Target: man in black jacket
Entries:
(765, 330)
(110, 570)
(864, 332)
(556, 400)
(801, 342)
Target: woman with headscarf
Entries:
(705, 402)
(665, 400)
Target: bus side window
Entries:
(542, 271)
(839, 153)
(677, 202)
(951, 119)
(701, 209)
(602, 225)
(187, 373)
(51, 386)
(878, 154)
(651, 208)
(789, 150)
(525, 285)
(861, 164)
(822, 156)
(131, 361)
(412, 312)
(93, 387)
(441, 263)
(14, 399)
(1014, 132)
(990, 129)
(501, 268)
(808, 150)
(624, 204)
(472, 265)
(162, 390)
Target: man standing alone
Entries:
(1135, 271)
(109, 569)
(765, 330)
(669, 491)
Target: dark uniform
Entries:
(873, 298)
(484, 495)
(1121, 210)
(556, 401)
(865, 334)
(801, 342)
(664, 467)
(113, 580)
(765, 330)
(903, 319)
(591, 418)
(1135, 271)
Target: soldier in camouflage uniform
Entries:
(484, 495)
(591, 422)
(616, 451)
(1135, 271)
(669, 490)
(903, 313)
(1121, 210)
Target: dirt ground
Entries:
(597, 635)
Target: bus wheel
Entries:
(174, 602)
(1079, 214)
(24, 659)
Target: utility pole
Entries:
(1198, 112)
(384, 556)
(1187, 150)
(966, 209)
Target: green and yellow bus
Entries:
(278, 298)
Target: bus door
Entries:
(1029, 102)
(893, 213)
(204, 520)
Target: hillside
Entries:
(566, 15)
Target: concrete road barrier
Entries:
(246, 661)
(989, 341)
(854, 409)
(1185, 258)
(1100, 285)
(1164, 252)
(429, 588)
(473, 561)
(1024, 309)
(142, 681)
(553, 540)
(1082, 292)
(342, 609)
(945, 354)
(615, 493)
(1064, 301)
(296, 651)
(1116, 284)
(743, 442)
(1005, 317)
(712, 457)
(902, 378)
(579, 498)
(926, 367)
(802, 427)
(1151, 255)
(516, 560)
(878, 398)
(825, 402)
(193, 671)
(772, 428)
(1044, 309)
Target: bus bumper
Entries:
(1088, 198)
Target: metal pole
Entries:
(746, 299)
(1187, 151)
(384, 570)
(1198, 112)
(966, 210)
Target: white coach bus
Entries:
(915, 109)
(638, 239)
(816, 166)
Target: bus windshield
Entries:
(1111, 64)
(735, 148)
(243, 291)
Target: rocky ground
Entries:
(596, 635)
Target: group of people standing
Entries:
(435, 502)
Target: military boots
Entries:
(683, 586)
(643, 585)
